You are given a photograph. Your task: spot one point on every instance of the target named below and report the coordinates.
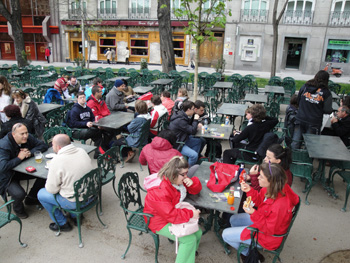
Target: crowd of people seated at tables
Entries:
(270, 182)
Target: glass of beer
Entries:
(38, 157)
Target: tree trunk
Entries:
(275, 39)
(195, 80)
(15, 19)
(166, 36)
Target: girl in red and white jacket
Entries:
(158, 111)
(161, 200)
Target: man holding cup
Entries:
(14, 148)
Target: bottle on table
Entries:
(206, 126)
(227, 120)
(231, 196)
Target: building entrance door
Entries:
(211, 51)
(77, 49)
(294, 55)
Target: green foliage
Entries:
(202, 19)
(144, 64)
(220, 66)
(26, 57)
(79, 61)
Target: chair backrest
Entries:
(295, 213)
(87, 188)
(129, 192)
(163, 122)
(301, 156)
(51, 132)
(108, 161)
(144, 133)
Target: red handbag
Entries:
(221, 175)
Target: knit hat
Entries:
(118, 83)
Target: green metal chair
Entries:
(51, 132)
(122, 72)
(134, 78)
(208, 91)
(131, 202)
(275, 81)
(277, 251)
(302, 167)
(163, 123)
(242, 159)
(86, 195)
(185, 78)
(343, 170)
(108, 163)
(141, 141)
(7, 217)
(54, 118)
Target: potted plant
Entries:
(342, 60)
(144, 64)
(220, 67)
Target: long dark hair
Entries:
(320, 80)
(284, 154)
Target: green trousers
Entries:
(188, 245)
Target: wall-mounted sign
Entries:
(250, 41)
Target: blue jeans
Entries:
(232, 235)
(300, 129)
(192, 149)
(48, 201)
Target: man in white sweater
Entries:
(64, 170)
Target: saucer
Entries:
(50, 155)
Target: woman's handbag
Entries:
(253, 253)
(184, 229)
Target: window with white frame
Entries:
(299, 12)
(340, 13)
(254, 11)
(74, 8)
(108, 7)
(139, 8)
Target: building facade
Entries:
(40, 30)
(311, 33)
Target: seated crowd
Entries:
(171, 154)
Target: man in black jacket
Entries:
(14, 148)
(180, 124)
(81, 118)
(340, 125)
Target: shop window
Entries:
(107, 41)
(139, 45)
(338, 51)
(178, 42)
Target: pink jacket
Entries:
(157, 153)
(168, 104)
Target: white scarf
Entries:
(183, 192)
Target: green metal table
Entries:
(143, 89)
(215, 132)
(204, 200)
(114, 79)
(47, 107)
(116, 120)
(50, 84)
(323, 148)
(41, 171)
(255, 98)
(222, 85)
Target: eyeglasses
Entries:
(184, 174)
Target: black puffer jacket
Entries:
(181, 125)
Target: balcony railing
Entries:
(339, 18)
(134, 14)
(75, 13)
(107, 13)
(298, 17)
(254, 15)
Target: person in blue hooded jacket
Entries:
(135, 131)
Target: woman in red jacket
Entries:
(274, 154)
(273, 215)
(161, 200)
